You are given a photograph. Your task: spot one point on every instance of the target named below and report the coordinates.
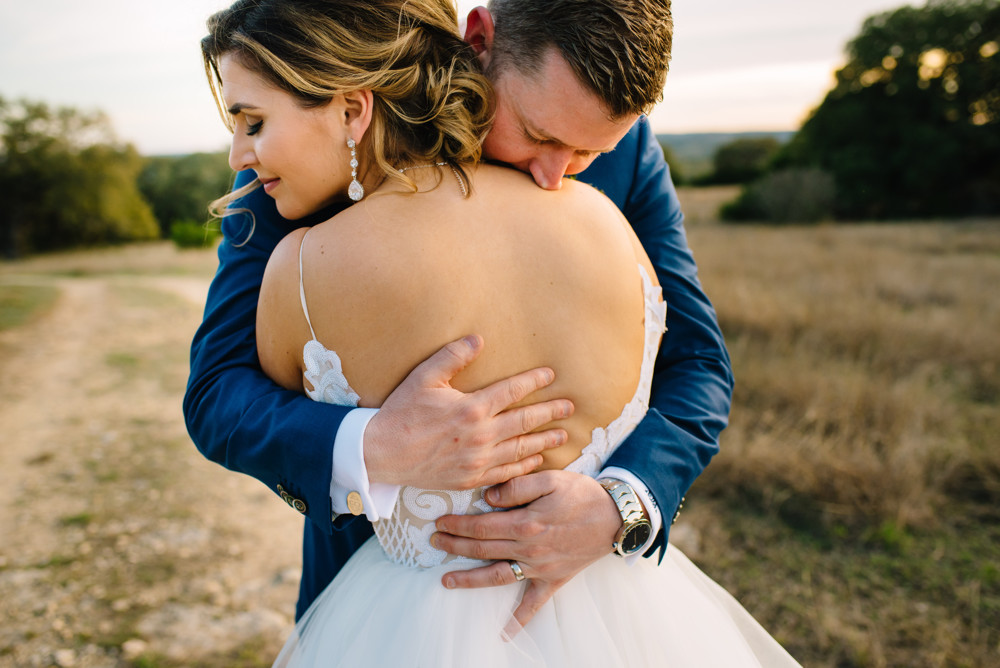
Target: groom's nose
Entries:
(549, 167)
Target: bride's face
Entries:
(299, 154)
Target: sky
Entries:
(738, 65)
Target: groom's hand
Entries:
(429, 434)
(566, 522)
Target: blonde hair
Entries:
(431, 101)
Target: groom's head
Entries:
(571, 77)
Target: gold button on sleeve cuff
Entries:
(354, 503)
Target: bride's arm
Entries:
(281, 327)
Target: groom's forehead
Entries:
(551, 105)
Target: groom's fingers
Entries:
(473, 535)
(521, 455)
(438, 369)
(506, 392)
(520, 491)
(536, 594)
(524, 419)
(477, 548)
(430, 434)
(495, 575)
(479, 536)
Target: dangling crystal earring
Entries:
(355, 191)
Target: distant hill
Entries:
(694, 151)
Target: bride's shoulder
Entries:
(285, 257)
(584, 197)
(506, 189)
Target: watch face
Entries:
(635, 537)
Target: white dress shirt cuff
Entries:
(350, 473)
(655, 517)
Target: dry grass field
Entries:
(854, 507)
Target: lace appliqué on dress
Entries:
(326, 375)
(405, 536)
(323, 368)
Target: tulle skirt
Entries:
(380, 614)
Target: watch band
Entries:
(629, 507)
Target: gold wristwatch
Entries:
(636, 527)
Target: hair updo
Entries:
(431, 101)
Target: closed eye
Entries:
(537, 141)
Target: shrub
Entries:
(189, 234)
(181, 187)
(743, 160)
(786, 196)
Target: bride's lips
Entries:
(270, 184)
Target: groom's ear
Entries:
(357, 112)
(479, 34)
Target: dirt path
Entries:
(119, 543)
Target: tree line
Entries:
(66, 181)
(911, 129)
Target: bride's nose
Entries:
(241, 153)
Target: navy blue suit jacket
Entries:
(242, 420)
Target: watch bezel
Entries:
(628, 533)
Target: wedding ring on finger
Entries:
(516, 567)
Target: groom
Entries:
(572, 80)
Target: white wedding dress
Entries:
(388, 608)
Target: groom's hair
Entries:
(619, 49)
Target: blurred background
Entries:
(839, 168)
(736, 66)
(847, 110)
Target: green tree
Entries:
(743, 160)
(65, 181)
(912, 127)
(794, 195)
(179, 188)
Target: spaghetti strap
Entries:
(302, 290)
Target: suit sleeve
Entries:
(692, 382)
(237, 416)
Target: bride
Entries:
(391, 113)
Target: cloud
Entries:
(768, 97)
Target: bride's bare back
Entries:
(546, 278)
